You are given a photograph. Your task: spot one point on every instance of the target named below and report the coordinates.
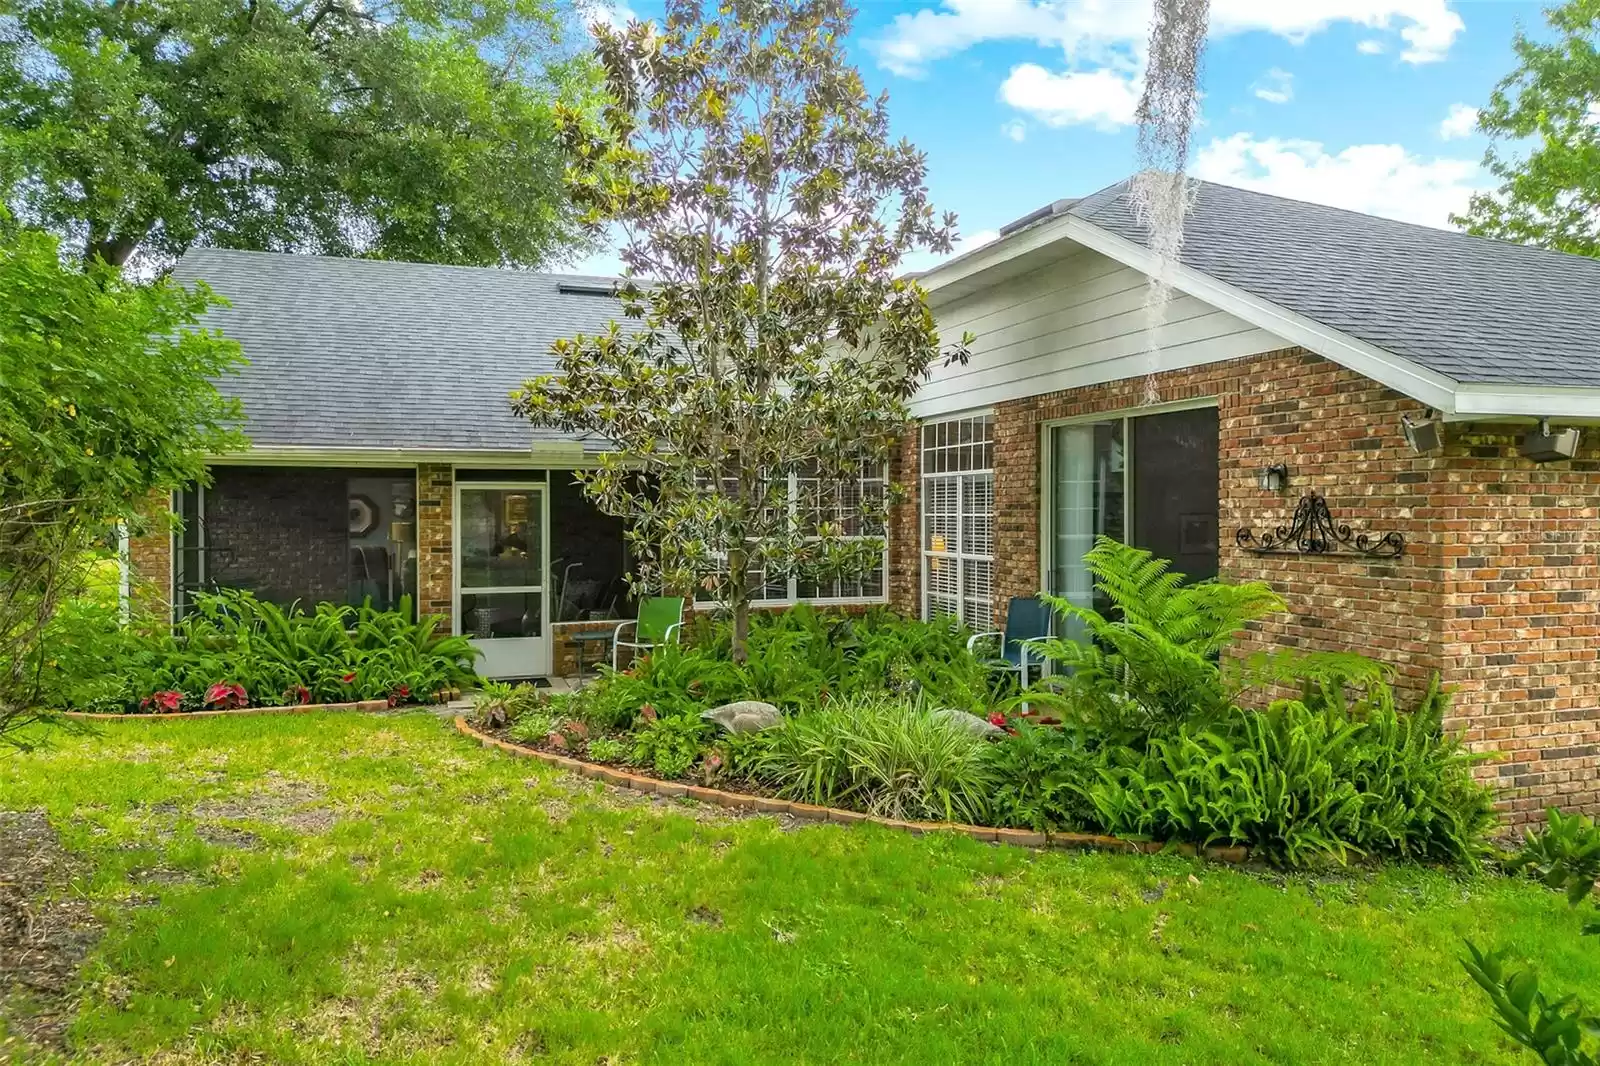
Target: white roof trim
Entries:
(539, 455)
(1456, 400)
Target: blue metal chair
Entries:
(1027, 620)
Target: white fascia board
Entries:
(547, 455)
(1483, 401)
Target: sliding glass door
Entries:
(1147, 480)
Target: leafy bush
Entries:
(670, 746)
(333, 654)
(1152, 663)
(1305, 779)
(498, 704)
(1565, 855)
(608, 749)
(798, 659)
(886, 755)
(1039, 777)
(533, 727)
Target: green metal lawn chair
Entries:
(660, 618)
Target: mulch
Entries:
(46, 931)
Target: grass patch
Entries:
(356, 889)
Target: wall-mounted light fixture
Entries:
(1544, 446)
(1424, 434)
(1273, 478)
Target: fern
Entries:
(1152, 661)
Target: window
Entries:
(958, 519)
(771, 588)
(1148, 480)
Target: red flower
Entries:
(648, 712)
(997, 718)
(349, 678)
(297, 694)
(403, 691)
(162, 701)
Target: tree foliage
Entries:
(1550, 104)
(106, 396)
(1565, 855)
(406, 129)
(759, 192)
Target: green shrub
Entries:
(882, 754)
(670, 746)
(608, 749)
(798, 659)
(1565, 855)
(333, 654)
(533, 727)
(1039, 777)
(1152, 663)
(1303, 781)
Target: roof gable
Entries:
(355, 354)
(1472, 309)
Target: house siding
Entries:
(1497, 592)
(1072, 322)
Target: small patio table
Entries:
(582, 641)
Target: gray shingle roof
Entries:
(1476, 310)
(354, 353)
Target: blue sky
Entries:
(1364, 104)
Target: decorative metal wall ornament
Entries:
(1313, 531)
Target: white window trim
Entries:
(1047, 472)
(959, 556)
(793, 596)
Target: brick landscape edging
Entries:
(767, 805)
(298, 708)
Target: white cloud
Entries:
(612, 13)
(1016, 130)
(1085, 30)
(1379, 179)
(1275, 86)
(1458, 123)
(1102, 98)
(1370, 47)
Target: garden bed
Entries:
(298, 708)
(766, 804)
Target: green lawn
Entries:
(348, 889)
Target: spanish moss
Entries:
(1160, 193)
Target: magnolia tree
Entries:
(756, 393)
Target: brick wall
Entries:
(435, 503)
(1498, 589)
(150, 556)
(1520, 601)
(904, 536)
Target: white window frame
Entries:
(959, 554)
(1047, 482)
(792, 595)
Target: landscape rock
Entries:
(745, 716)
(970, 723)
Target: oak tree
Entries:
(406, 129)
